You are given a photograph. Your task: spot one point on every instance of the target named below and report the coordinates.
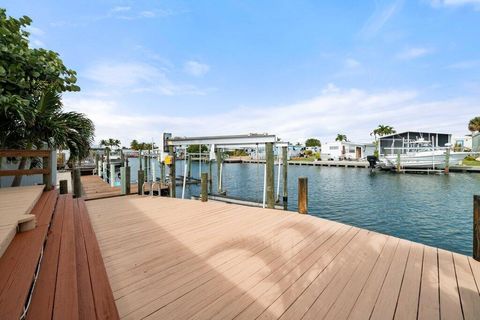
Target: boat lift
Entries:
(218, 143)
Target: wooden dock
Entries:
(343, 163)
(95, 188)
(183, 259)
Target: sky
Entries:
(297, 69)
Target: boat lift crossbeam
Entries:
(228, 142)
(223, 140)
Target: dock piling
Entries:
(125, 176)
(303, 195)
(112, 175)
(285, 176)
(218, 155)
(140, 180)
(63, 186)
(476, 227)
(173, 175)
(270, 175)
(204, 192)
(77, 183)
(447, 161)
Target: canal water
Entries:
(432, 209)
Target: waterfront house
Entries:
(463, 142)
(399, 142)
(346, 150)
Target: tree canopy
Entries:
(312, 142)
(109, 143)
(31, 83)
(341, 137)
(382, 130)
(474, 124)
(195, 148)
(25, 75)
(135, 145)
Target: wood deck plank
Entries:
(469, 296)
(86, 304)
(44, 294)
(429, 303)
(345, 302)
(349, 278)
(450, 305)
(105, 307)
(286, 294)
(387, 300)
(66, 291)
(407, 306)
(366, 301)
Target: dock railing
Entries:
(46, 170)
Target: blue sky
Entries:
(292, 68)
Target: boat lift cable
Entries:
(278, 174)
(256, 176)
(185, 168)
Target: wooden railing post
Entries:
(63, 186)
(141, 180)
(476, 227)
(204, 184)
(77, 183)
(47, 177)
(303, 195)
(125, 176)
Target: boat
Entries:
(420, 154)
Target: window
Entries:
(333, 147)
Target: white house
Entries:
(346, 150)
(464, 142)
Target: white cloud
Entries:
(196, 68)
(34, 31)
(382, 14)
(467, 64)
(121, 9)
(147, 14)
(455, 3)
(350, 111)
(352, 63)
(136, 77)
(413, 53)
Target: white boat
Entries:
(420, 154)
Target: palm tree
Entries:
(474, 124)
(341, 137)
(45, 122)
(380, 131)
(110, 143)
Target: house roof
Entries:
(423, 132)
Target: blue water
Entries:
(430, 209)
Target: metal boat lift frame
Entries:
(232, 142)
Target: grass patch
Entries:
(472, 163)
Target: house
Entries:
(400, 142)
(346, 150)
(464, 142)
